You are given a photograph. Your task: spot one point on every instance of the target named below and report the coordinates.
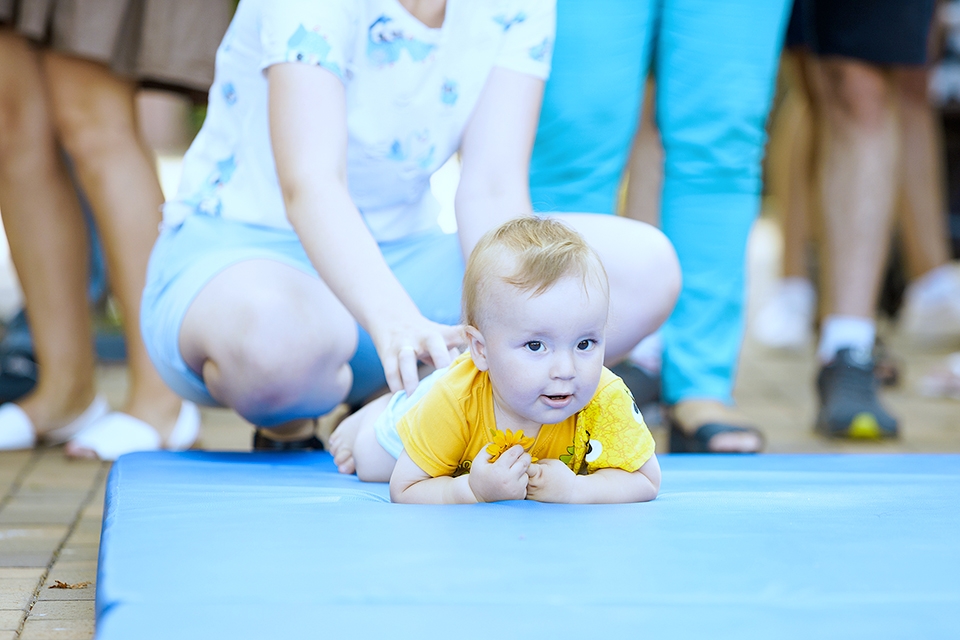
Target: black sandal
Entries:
(18, 375)
(644, 385)
(699, 440)
(261, 442)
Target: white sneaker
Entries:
(931, 308)
(785, 321)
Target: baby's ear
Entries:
(478, 348)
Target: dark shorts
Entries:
(886, 32)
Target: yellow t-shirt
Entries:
(445, 430)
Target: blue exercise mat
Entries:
(218, 545)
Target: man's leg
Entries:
(931, 310)
(859, 171)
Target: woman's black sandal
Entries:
(263, 443)
(699, 440)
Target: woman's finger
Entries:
(455, 336)
(437, 351)
(392, 372)
(407, 364)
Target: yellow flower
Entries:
(503, 441)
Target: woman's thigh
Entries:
(267, 284)
(236, 280)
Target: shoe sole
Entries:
(864, 426)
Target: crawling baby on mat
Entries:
(529, 411)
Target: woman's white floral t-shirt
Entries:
(410, 91)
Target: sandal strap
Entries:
(699, 440)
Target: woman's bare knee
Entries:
(270, 341)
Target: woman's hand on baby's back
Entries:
(505, 479)
(402, 346)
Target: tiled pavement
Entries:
(51, 507)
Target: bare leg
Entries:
(859, 178)
(785, 320)
(645, 167)
(923, 226)
(94, 112)
(859, 182)
(271, 342)
(48, 240)
(355, 447)
(796, 220)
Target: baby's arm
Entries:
(553, 481)
(505, 479)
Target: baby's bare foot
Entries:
(341, 443)
(344, 437)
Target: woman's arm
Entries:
(308, 128)
(495, 154)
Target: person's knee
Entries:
(89, 136)
(278, 360)
(23, 123)
(856, 94)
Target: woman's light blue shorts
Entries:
(185, 258)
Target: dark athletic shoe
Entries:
(849, 407)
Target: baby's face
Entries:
(544, 352)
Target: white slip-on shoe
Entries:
(118, 433)
(785, 321)
(931, 307)
(17, 430)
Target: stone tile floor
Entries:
(51, 507)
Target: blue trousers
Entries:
(715, 64)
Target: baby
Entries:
(535, 300)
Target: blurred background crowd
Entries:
(852, 264)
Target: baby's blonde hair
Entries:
(542, 251)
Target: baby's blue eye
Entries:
(585, 344)
(534, 345)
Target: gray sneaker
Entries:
(849, 407)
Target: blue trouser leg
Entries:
(591, 104)
(716, 64)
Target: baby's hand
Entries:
(505, 479)
(550, 481)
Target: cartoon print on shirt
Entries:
(502, 20)
(312, 48)
(540, 51)
(207, 199)
(610, 441)
(449, 93)
(229, 93)
(417, 148)
(385, 43)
